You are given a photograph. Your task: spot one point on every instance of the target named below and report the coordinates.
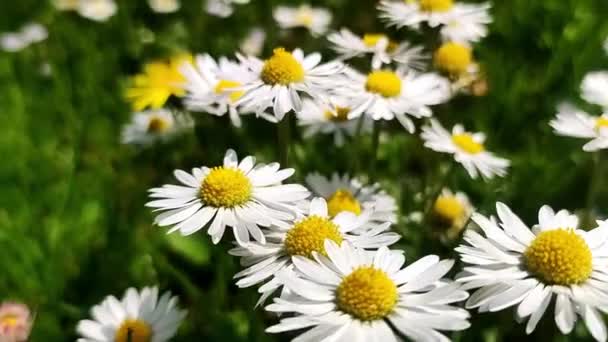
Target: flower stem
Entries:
(375, 145)
(594, 187)
(284, 140)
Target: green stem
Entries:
(441, 181)
(594, 186)
(375, 145)
(284, 140)
(354, 167)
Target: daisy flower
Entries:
(15, 322)
(212, 87)
(152, 126)
(164, 6)
(573, 122)
(344, 193)
(305, 237)
(282, 78)
(253, 43)
(468, 149)
(432, 12)
(159, 81)
(97, 10)
(594, 88)
(513, 265)
(352, 295)
(468, 24)
(222, 8)
(451, 212)
(386, 94)
(242, 195)
(329, 117)
(315, 19)
(381, 47)
(140, 316)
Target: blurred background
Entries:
(73, 226)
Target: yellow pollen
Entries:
(367, 294)
(343, 200)
(436, 5)
(371, 39)
(225, 187)
(339, 115)
(385, 83)
(453, 58)
(282, 68)
(133, 330)
(225, 86)
(601, 122)
(9, 320)
(448, 209)
(560, 257)
(466, 143)
(309, 236)
(158, 125)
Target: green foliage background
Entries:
(73, 227)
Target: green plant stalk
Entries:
(375, 145)
(594, 186)
(284, 139)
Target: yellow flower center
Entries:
(282, 68)
(342, 200)
(453, 58)
(158, 125)
(367, 294)
(133, 330)
(9, 320)
(226, 188)
(339, 115)
(226, 86)
(560, 257)
(383, 82)
(448, 209)
(466, 143)
(309, 236)
(371, 39)
(601, 122)
(436, 5)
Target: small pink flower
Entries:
(15, 322)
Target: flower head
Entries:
(141, 316)
(513, 265)
(159, 81)
(240, 195)
(306, 236)
(386, 94)
(350, 292)
(152, 126)
(15, 322)
(315, 19)
(381, 47)
(573, 122)
(283, 77)
(468, 149)
(330, 117)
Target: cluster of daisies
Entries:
(320, 254)
(402, 82)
